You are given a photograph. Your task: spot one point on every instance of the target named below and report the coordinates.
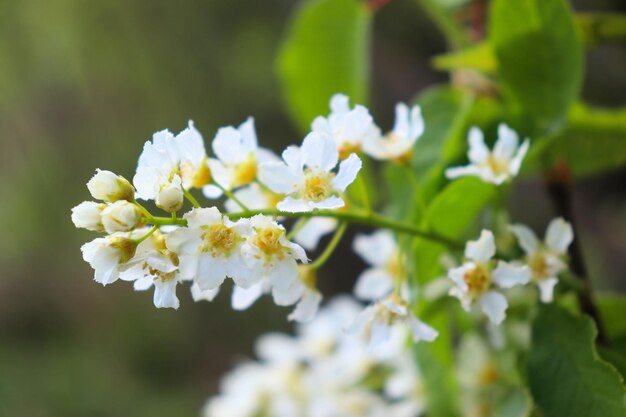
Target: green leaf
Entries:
(540, 56)
(326, 51)
(612, 311)
(565, 374)
(479, 57)
(593, 141)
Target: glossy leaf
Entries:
(565, 374)
(326, 51)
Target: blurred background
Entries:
(82, 85)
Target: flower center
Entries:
(317, 186)
(196, 176)
(245, 172)
(539, 266)
(477, 279)
(268, 241)
(219, 240)
(497, 166)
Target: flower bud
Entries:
(86, 215)
(120, 216)
(170, 198)
(107, 186)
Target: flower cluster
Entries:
(247, 241)
(321, 372)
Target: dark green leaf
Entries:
(565, 374)
(540, 56)
(326, 51)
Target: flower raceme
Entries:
(248, 243)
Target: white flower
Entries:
(86, 215)
(207, 295)
(381, 252)
(168, 164)
(497, 166)
(476, 280)
(155, 265)
(209, 249)
(306, 175)
(270, 256)
(397, 144)
(238, 157)
(120, 216)
(108, 255)
(377, 321)
(107, 186)
(310, 297)
(545, 259)
(314, 229)
(348, 128)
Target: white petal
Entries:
(546, 289)
(421, 331)
(244, 298)
(348, 170)
(506, 145)
(292, 156)
(197, 294)
(526, 238)
(457, 274)
(227, 145)
(319, 152)
(239, 271)
(288, 296)
(204, 216)
(133, 273)
(330, 203)
(248, 135)
(220, 173)
(292, 205)
(284, 274)
(339, 104)
(165, 294)
(516, 162)
(143, 283)
(483, 249)
(478, 151)
(314, 229)
(494, 305)
(373, 284)
(559, 235)
(380, 333)
(211, 272)
(507, 275)
(307, 307)
(375, 249)
(278, 177)
(146, 182)
(212, 192)
(456, 172)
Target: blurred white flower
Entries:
(348, 128)
(238, 156)
(254, 197)
(110, 187)
(210, 247)
(397, 144)
(497, 166)
(306, 175)
(546, 259)
(120, 216)
(377, 321)
(381, 252)
(476, 280)
(86, 215)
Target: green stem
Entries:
(332, 245)
(369, 219)
(297, 227)
(147, 235)
(233, 197)
(191, 198)
(143, 210)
